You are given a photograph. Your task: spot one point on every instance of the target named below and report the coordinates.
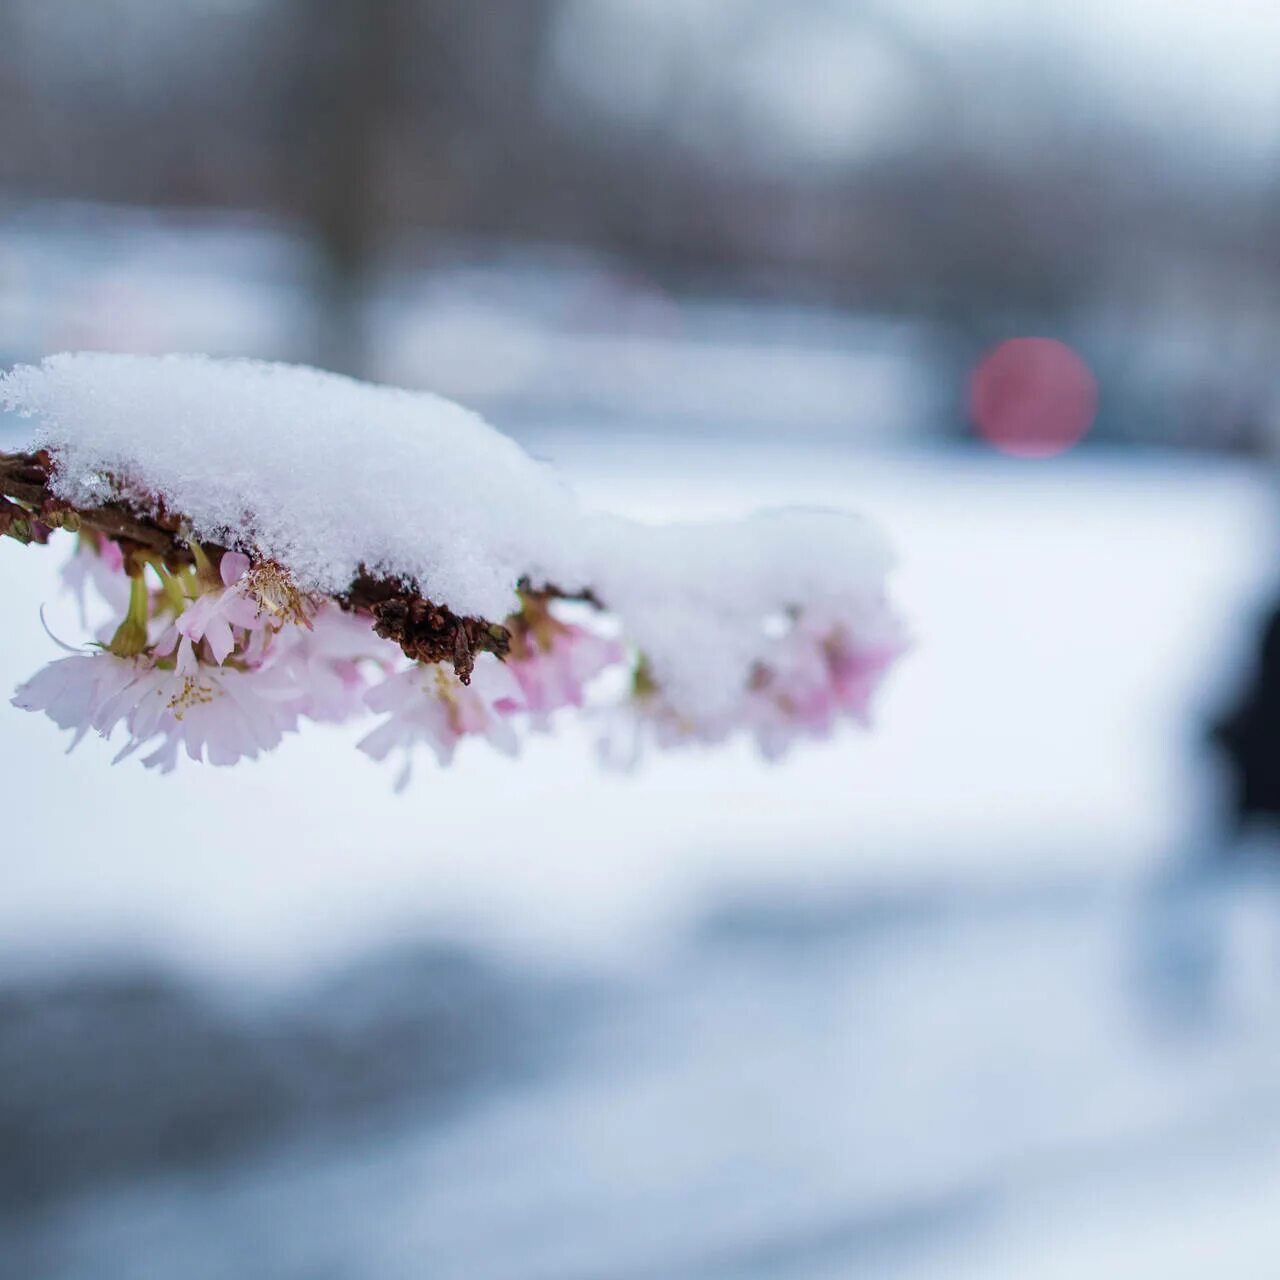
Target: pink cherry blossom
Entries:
(213, 616)
(73, 691)
(824, 669)
(216, 713)
(96, 564)
(555, 673)
(428, 704)
(324, 671)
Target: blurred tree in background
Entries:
(851, 154)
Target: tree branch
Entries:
(425, 631)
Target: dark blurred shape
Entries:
(1032, 397)
(1249, 735)
(114, 1076)
(343, 90)
(118, 1074)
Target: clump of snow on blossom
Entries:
(327, 476)
(708, 603)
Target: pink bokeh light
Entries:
(1032, 397)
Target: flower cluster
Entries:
(223, 656)
(222, 663)
(205, 660)
(822, 671)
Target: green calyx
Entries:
(643, 685)
(175, 596)
(130, 638)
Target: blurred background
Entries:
(993, 991)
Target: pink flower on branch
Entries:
(823, 670)
(554, 666)
(325, 671)
(219, 714)
(428, 705)
(96, 565)
(214, 616)
(73, 691)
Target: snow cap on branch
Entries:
(324, 482)
(323, 474)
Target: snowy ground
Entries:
(955, 998)
(1044, 1084)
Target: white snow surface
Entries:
(318, 471)
(329, 476)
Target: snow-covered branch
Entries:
(281, 545)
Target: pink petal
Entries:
(233, 567)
